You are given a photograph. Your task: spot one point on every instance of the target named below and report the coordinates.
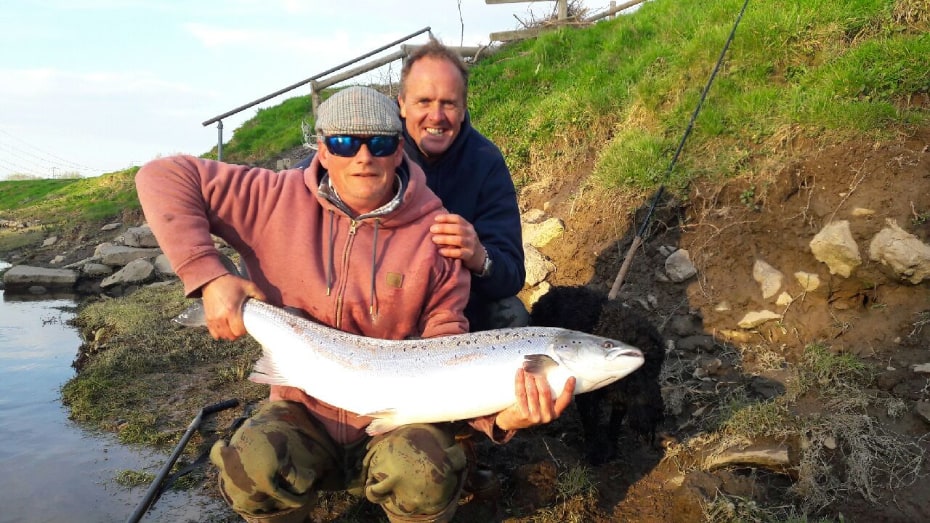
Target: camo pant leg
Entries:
(415, 473)
(275, 463)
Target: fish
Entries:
(399, 382)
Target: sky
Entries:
(96, 86)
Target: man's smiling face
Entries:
(433, 104)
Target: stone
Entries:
(541, 234)
(537, 265)
(902, 252)
(808, 281)
(756, 318)
(25, 276)
(834, 245)
(678, 266)
(769, 278)
(120, 255)
(136, 271)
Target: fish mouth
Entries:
(624, 352)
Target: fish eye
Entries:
(607, 345)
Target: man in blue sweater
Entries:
(468, 173)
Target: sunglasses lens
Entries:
(382, 145)
(342, 145)
(348, 146)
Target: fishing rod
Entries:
(155, 488)
(640, 233)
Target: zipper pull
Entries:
(352, 227)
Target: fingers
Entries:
(455, 236)
(222, 300)
(565, 398)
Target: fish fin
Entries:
(384, 422)
(193, 316)
(538, 364)
(265, 371)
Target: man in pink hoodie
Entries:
(347, 242)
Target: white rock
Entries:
(808, 281)
(755, 318)
(769, 278)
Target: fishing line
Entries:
(638, 239)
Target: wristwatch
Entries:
(485, 267)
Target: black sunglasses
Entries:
(348, 146)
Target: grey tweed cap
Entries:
(358, 110)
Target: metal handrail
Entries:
(219, 119)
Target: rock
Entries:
(96, 270)
(163, 266)
(136, 271)
(541, 234)
(50, 241)
(834, 245)
(769, 278)
(784, 299)
(756, 318)
(860, 212)
(808, 281)
(139, 237)
(902, 252)
(111, 226)
(678, 266)
(25, 276)
(537, 265)
(922, 409)
(119, 255)
(541, 290)
(533, 216)
(923, 368)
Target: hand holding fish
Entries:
(535, 405)
(222, 302)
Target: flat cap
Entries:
(358, 110)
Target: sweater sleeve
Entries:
(184, 200)
(497, 222)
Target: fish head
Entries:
(594, 361)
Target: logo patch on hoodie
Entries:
(394, 279)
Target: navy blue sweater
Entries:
(472, 180)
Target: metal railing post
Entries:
(219, 140)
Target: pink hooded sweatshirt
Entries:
(378, 275)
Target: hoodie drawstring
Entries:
(332, 248)
(373, 307)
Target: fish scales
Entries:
(449, 378)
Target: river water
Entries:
(52, 470)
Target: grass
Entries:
(140, 363)
(623, 91)
(826, 416)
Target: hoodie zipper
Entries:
(353, 226)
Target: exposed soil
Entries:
(725, 226)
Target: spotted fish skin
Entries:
(398, 382)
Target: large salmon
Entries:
(429, 380)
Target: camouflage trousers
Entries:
(274, 465)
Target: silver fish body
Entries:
(398, 382)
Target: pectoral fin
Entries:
(538, 364)
(385, 421)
